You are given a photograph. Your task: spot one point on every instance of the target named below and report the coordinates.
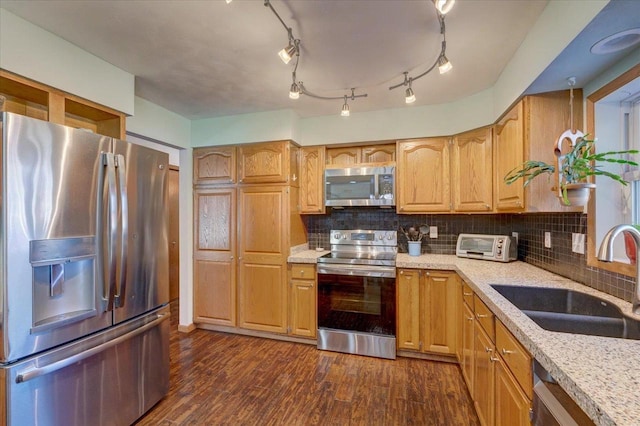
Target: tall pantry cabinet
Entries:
(246, 219)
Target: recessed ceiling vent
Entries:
(617, 42)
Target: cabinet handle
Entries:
(487, 206)
(496, 359)
(230, 257)
(469, 318)
(467, 294)
(481, 316)
(507, 352)
(401, 272)
(488, 350)
(302, 272)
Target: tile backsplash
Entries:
(530, 227)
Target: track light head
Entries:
(287, 53)
(294, 92)
(444, 65)
(444, 6)
(345, 108)
(409, 96)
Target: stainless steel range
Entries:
(357, 293)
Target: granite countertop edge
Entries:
(601, 374)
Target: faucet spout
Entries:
(605, 254)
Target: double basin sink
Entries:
(569, 311)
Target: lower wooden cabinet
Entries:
(512, 405)
(427, 311)
(468, 336)
(483, 392)
(495, 366)
(262, 297)
(302, 300)
(214, 292)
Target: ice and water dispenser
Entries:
(64, 281)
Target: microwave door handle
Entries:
(112, 224)
(124, 224)
(376, 188)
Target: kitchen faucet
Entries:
(605, 254)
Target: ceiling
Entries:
(208, 59)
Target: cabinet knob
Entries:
(492, 359)
(401, 272)
(507, 352)
(467, 294)
(481, 316)
(487, 206)
(302, 272)
(469, 318)
(488, 350)
(230, 257)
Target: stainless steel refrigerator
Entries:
(84, 276)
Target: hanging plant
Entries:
(575, 168)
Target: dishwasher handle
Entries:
(34, 372)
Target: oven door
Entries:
(357, 298)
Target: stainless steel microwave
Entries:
(360, 186)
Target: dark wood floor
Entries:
(224, 379)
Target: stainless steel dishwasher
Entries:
(552, 406)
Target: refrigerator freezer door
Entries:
(144, 270)
(51, 286)
(110, 378)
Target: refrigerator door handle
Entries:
(124, 236)
(112, 220)
(34, 372)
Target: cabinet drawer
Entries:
(303, 271)
(467, 295)
(516, 357)
(484, 317)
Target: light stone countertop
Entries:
(601, 374)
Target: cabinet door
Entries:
(262, 234)
(408, 309)
(379, 153)
(262, 297)
(471, 175)
(264, 162)
(303, 308)
(468, 351)
(423, 176)
(312, 180)
(512, 406)
(509, 154)
(214, 165)
(484, 376)
(343, 156)
(439, 306)
(214, 262)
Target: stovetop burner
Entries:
(362, 247)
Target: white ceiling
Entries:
(208, 58)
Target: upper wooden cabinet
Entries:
(472, 172)
(27, 97)
(423, 176)
(312, 180)
(354, 155)
(268, 162)
(215, 164)
(529, 131)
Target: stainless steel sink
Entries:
(568, 311)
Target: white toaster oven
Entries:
(499, 248)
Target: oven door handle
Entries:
(358, 270)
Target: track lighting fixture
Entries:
(345, 108)
(444, 6)
(293, 48)
(294, 92)
(444, 65)
(409, 96)
(287, 53)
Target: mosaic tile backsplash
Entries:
(531, 228)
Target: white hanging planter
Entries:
(577, 194)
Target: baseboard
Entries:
(186, 328)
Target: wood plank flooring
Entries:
(224, 379)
